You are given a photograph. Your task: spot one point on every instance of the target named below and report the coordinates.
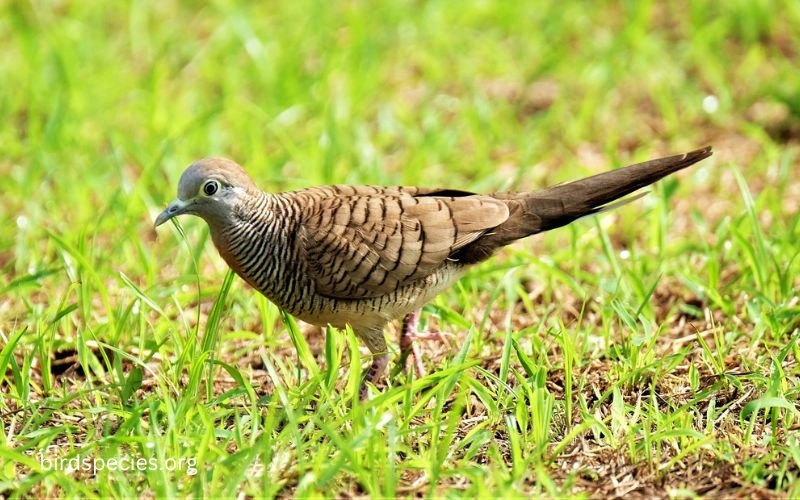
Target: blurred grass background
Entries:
(104, 103)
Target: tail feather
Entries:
(562, 204)
(531, 213)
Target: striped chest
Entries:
(259, 246)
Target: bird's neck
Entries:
(254, 240)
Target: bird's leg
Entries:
(380, 358)
(374, 373)
(408, 334)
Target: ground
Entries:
(649, 351)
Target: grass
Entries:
(651, 350)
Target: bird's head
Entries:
(209, 188)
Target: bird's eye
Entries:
(210, 187)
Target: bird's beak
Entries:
(176, 207)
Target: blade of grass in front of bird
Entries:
(333, 357)
(304, 355)
(354, 373)
(211, 333)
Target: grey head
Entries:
(209, 188)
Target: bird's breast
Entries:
(266, 257)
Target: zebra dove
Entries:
(363, 255)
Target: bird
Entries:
(364, 256)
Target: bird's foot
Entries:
(408, 334)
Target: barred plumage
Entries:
(365, 255)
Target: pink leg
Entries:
(408, 334)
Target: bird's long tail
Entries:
(562, 204)
(557, 206)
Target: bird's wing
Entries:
(366, 242)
